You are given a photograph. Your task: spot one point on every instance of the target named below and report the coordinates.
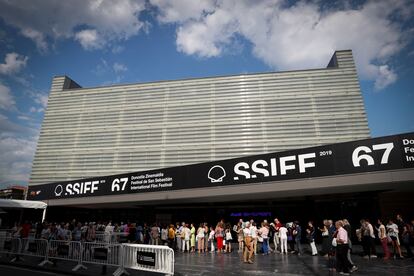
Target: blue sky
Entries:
(128, 41)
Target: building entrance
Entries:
(315, 208)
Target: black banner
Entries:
(146, 258)
(378, 154)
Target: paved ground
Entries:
(230, 264)
(225, 264)
(22, 271)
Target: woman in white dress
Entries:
(283, 239)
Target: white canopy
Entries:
(14, 203)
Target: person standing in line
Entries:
(283, 239)
(373, 251)
(276, 237)
(264, 233)
(186, 235)
(77, 232)
(109, 230)
(139, 235)
(368, 239)
(164, 235)
(248, 244)
(253, 228)
(147, 233)
(200, 238)
(154, 234)
(171, 237)
(348, 228)
(405, 238)
(206, 235)
(211, 239)
(219, 237)
(331, 231)
(239, 231)
(91, 233)
(46, 232)
(310, 234)
(291, 237)
(178, 235)
(326, 244)
(229, 238)
(192, 237)
(298, 237)
(392, 229)
(400, 223)
(342, 265)
(382, 235)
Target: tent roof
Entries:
(14, 203)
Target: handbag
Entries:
(334, 243)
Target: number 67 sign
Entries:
(362, 153)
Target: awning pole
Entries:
(44, 215)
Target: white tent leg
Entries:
(44, 215)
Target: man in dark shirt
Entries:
(298, 237)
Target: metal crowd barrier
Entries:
(101, 253)
(33, 247)
(63, 250)
(6, 233)
(154, 258)
(9, 246)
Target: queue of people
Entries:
(250, 237)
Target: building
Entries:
(124, 128)
(13, 192)
(177, 142)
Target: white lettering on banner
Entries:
(286, 164)
(409, 151)
(115, 184)
(150, 181)
(357, 156)
(81, 188)
(302, 163)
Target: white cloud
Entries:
(7, 101)
(17, 148)
(16, 155)
(89, 39)
(13, 63)
(385, 77)
(41, 99)
(38, 38)
(293, 36)
(182, 10)
(107, 21)
(119, 67)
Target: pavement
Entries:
(22, 271)
(205, 264)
